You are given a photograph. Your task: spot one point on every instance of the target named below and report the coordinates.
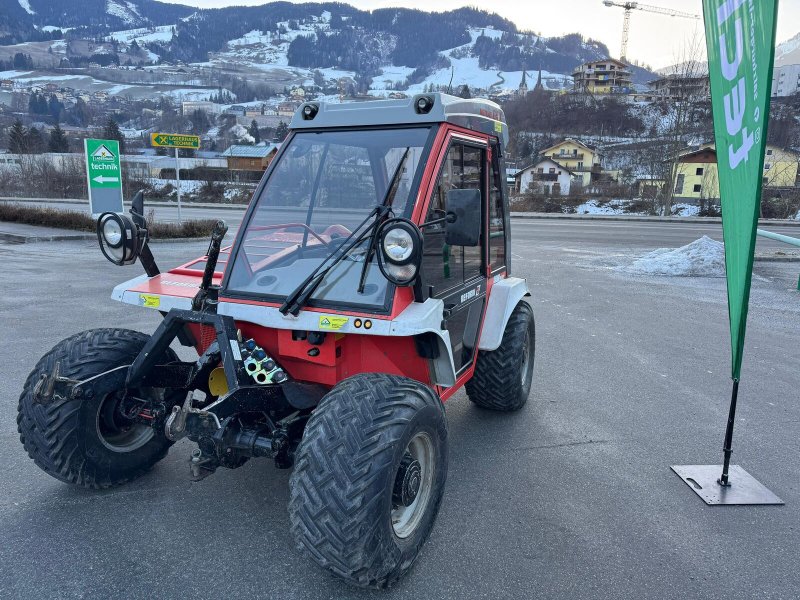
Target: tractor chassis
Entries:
(248, 421)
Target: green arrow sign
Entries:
(174, 140)
(104, 176)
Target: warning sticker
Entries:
(149, 300)
(332, 323)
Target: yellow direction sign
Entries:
(174, 140)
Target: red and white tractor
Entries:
(369, 281)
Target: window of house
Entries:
(697, 188)
(767, 166)
(765, 180)
(699, 171)
(540, 170)
(552, 171)
(679, 183)
(580, 164)
(769, 152)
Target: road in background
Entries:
(634, 234)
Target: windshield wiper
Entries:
(389, 195)
(303, 292)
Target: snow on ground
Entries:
(617, 207)
(14, 74)
(590, 207)
(27, 7)
(162, 33)
(126, 11)
(702, 258)
(183, 94)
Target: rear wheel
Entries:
(369, 476)
(89, 441)
(502, 378)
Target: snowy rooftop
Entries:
(250, 151)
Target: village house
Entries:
(580, 158)
(679, 87)
(250, 158)
(697, 177)
(607, 76)
(544, 177)
(188, 107)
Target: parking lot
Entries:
(570, 498)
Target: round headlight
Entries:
(112, 233)
(398, 245)
(119, 238)
(400, 251)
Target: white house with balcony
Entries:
(544, 177)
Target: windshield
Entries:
(324, 185)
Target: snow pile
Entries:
(702, 258)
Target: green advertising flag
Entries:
(740, 35)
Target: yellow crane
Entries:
(630, 6)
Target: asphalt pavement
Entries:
(572, 497)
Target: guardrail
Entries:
(780, 238)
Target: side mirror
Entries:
(463, 221)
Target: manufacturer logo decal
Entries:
(149, 300)
(332, 323)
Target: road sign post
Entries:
(177, 141)
(103, 176)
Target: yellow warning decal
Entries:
(332, 323)
(149, 300)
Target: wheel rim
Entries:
(406, 518)
(117, 433)
(526, 358)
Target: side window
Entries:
(497, 234)
(446, 267)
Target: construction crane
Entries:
(629, 6)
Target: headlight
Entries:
(398, 245)
(112, 233)
(119, 238)
(401, 251)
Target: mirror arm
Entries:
(450, 218)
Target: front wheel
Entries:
(369, 476)
(502, 378)
(90, 442)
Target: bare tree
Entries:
(686, 86)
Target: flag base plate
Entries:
(743, 489)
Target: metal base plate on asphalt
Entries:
(744, 488)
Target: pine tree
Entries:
(58, 141)
(34, 141)
(281, 131)
(111, 132)
(253, 131)
(18, 138)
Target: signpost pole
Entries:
(178, 185)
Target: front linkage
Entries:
(248, 420)
(254, 413)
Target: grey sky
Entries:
(655, 39)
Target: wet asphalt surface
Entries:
(572, 497)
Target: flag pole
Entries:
(727, 450)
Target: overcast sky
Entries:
(654, 39)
